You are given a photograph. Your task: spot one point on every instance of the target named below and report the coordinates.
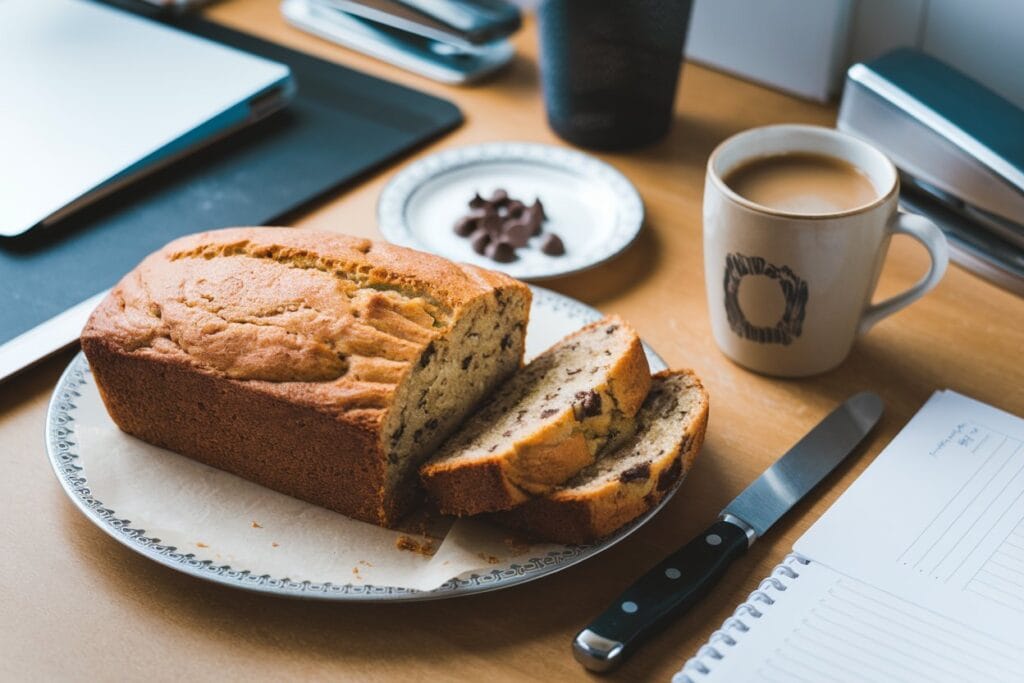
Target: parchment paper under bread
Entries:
(228, 520)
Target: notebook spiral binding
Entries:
(741, 621)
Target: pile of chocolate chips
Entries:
(496, 227)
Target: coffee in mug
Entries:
(801, 183)
(797, 223)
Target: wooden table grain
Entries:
(77, 605)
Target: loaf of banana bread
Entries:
(322, 366)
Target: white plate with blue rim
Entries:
(83, 446)
(591, 206)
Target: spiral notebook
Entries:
(915, 574)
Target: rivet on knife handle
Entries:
(672, 586)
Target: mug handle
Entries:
(928, 234)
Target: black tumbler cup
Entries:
(610, 68)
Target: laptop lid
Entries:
(93, 97)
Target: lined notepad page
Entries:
(830, 627)
(938, 518)
(916, 573)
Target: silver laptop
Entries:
(92, 97)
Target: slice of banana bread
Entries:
(630, 477)
(316, 364)
(545, 424)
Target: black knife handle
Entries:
(670, 588)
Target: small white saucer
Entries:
(592, 207)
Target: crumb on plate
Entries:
(423, 547)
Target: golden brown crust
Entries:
(324, 319)
(631, 379)
(242, 432)
(299, 339)
(567, 516)
(549, 456)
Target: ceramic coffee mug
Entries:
(788, 293)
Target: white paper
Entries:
(830, 627)
(939, 516)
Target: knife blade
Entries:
(676, 583)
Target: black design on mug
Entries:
(794, 290)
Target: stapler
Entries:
(959, 148)
(452, 41)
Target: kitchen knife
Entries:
(682, 578)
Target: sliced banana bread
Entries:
(630, 477)
(545, 424)
(316, 364)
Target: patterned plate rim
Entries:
(395, 195)
(61, 450)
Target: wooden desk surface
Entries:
(78, 605)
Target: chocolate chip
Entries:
(515, 208)
(500, 251)
(479, 241)
(548, 413)
(669, 476)
(587, 404)
(477, 201)
(492, 224)
(552, 245)
(466, 361)
(636, 473)
(610, 329)
(506, 342)
(538, 208)
(518, 233)
(533, 219)
(428, 353)
(465, 226)
(592, 403)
